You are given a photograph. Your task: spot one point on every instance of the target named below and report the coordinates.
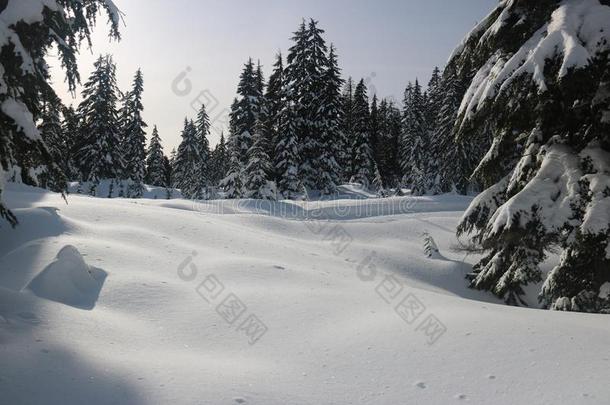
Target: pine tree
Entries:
(155, 161)
(329, 175)
(28, 36)
(362, 154)
(134, 137)
(187, 166)
(99, 156)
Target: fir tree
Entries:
(347, 130)
(307, 65)
(547, 170)
(414, 140)
(69, 127)
(329, 176)
(245, 112)
(28, 37)
(287, 155)
(374, 130)
(220, 161)
(232, 182)
(134, 137)
(275, 99)
(99, 156)
(456, 158)
(53, 135)
(155, 161)
(170, 163)
(187, 165)
(203, 131)
(362, 154)
(256, 173)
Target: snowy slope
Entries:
(148, 336)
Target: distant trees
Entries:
(304, 129)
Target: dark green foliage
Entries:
(23, 153)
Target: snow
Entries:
(69, 280)
(575, 33)
(22, 117)
(333, 294)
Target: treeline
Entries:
(302, 130)
(306, 128)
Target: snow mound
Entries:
(69, 280)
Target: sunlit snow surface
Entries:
(339, 297)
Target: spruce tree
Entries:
(134, 137)
(28, 37)
(99, 155)
(362, 154)
(155, 161)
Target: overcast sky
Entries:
(193, 50)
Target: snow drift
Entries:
(69, 280)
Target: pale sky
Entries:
(386, 42)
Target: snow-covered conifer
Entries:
(28, 34)
(99, 155)
(155, 161)
(133, 137)
(362, 160)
